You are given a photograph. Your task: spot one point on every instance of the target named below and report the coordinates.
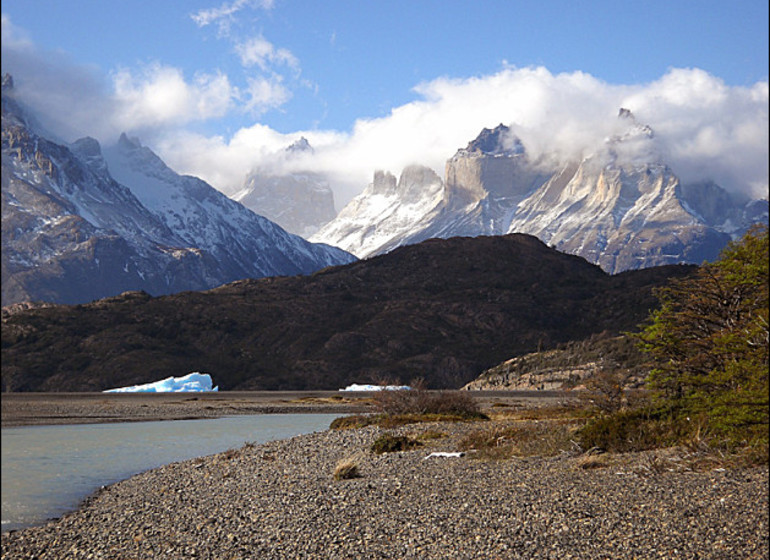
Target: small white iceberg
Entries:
(191, 383)
(445, 454)
(357, 387)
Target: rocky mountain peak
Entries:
(384, 182)
(300, 146)
(7, 84)
(636, 128)
(416, 181)
(90, 151)
(87, 147)
(126, 143)
(495, 142)
(621, 207)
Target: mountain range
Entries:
(81, 223)
(619, 208)
(443, 310)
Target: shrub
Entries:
(605, 390)
(387, 443)
(419, 400)
(635, 430)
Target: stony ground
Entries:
(280, 501)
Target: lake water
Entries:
(49, 470)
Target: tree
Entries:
(708, 342)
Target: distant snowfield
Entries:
(191, 383)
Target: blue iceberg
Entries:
(191, 383)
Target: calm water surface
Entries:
(49, 470)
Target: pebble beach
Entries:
(279, 500)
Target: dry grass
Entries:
(388, 443)
(390, 422)
(348, 467)
(568, 411)
(521, 439)
(430, 435)
(587, 462)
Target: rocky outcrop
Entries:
(570, 366)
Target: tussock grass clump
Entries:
(390, 422)
(388, 443)
(587, 462)
(348, 467)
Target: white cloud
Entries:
(13, 36)
(224, 15)
(159, 95)
(703, 128)
(707, 129)
(265, 93)
(263, 53)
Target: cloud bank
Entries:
(703, 128)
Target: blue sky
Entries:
(217, 88)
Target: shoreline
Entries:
(31, 409)
(279, 500)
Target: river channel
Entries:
(49, 470)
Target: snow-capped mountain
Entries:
(379, 218)
(80, 223)
(617, 208)
(300, 202)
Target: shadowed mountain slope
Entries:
(444, 310)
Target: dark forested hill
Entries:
(444, 310)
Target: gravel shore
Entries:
(279, 501)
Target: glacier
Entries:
(194, 382)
